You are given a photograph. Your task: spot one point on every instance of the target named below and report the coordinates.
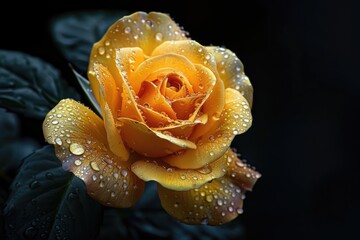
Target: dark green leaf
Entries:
(30, 86)
(85, 85)
(48, 203)
(75, 33)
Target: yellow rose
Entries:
(170, 110)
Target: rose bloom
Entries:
(170, 109)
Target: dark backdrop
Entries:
(302, 58)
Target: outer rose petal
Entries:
(140, 29)
(214, 203)
(232, 72)
(179, 179)
(148, 142)
(81, 144)
(235, 119)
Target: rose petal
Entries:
(107, 88)
(240, 173)
(142, 139)
(178, 63)
(235, 119)
(80, 143)
(232, 72)
(214, 203)
(179, 179)
(150, 96)
(155, 119)
(197, 54)
(182, 129)
(115, 141)
(140, 29)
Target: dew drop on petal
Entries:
(77, 162)
(76, 149)
(58, 141)
(127, 30)
(158, 36)
(101, 50)
(55, 122)
(94, 166)
(124, 173)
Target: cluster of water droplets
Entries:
(231, 67)
(70, 129)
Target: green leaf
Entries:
(48, 203)
(75, 33)
(85, 85)
(30, 86)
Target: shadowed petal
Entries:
(80, 143)
(142, 139)
(216, 202)
(235, 119)
(232, 72)
(179, 179)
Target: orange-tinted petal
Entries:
(235, 119)
(107, 88)
(142, 139)
(81, 144)
(240, 173)
(115, 141)
(184, 107)
(231, 71)
(182, 129)
(216, 202)
(155, 119)
(146, 69)
(150, 96)
(179, 179)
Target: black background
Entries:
(302, 58)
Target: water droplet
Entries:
(183, 177)
(212, 153)
(158, 36)
(124, 173)
(94, 166)
(211, 138)
(73, 195)
(101, 50)
(116, 175)
(49, 175)
(239, 211)
(77, 162)
(223, 214)
(205, 170)
(34, 184)
(127, 30)
(209, 198)
(230, 209)
(176, 205)
(216, 116)
(107, 42)
(102, 184)
(30, 233)
(76, 149)
(220, 202)
(235, 131)
(58, 141)
(55, 122)
(205, 221)
(112, 194)
(94, 177)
